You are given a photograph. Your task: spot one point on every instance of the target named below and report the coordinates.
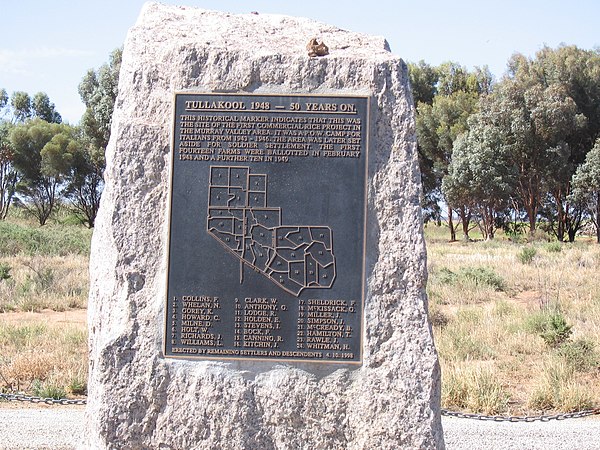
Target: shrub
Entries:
(551, 326)
(446, 276)
(479, 276)
(553, 247)
(580, 355)
(438, 318)
(557, 331)
(557, 389)
(48, 389)
(78, 386)
(477, 390)
(4, 271)
(482, 276)
(526, 255)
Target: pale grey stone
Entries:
(138, 399)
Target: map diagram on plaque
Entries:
(294, 257)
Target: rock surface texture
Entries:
(140, 400)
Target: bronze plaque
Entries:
(267, 227)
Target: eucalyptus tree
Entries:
(98, 90)
(80, 164)
(440, 124)
(8, 174)
(423, 80)
(479, 174)
(574, 74)
(20, 103)
(3, 99)
(586, 186)
(44, 109)
(530, 123)
(24, 107)
(39, 182)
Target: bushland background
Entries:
(511, 201)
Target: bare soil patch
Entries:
(74, 317)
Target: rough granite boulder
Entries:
(137, 398)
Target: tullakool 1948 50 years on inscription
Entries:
(267, 227)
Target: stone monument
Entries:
(258, 265)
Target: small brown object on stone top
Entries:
(316, 49)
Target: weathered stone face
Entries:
(139, 399)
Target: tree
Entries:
(438, 126)
(98, 90)
(423, 81)
(39, 183)
(20, 103)
(586, 186)
(24, 108)
(73, 157)
(532, 123)
(440, 123)
(576, 73)
(478, 175)
(3, 99)
(8, 174)
(44, 109)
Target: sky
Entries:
(48, 46)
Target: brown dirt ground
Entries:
(75, 316)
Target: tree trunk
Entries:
(561, 216)
(532, 216)
(488, 222)
(598, 217)
(451, 225)
(465, 219)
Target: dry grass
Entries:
(530, 345)
(517, 326)
(58, 283)
(45, 270)
(44, 353)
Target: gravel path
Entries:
(62, 428)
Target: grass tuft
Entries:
(526, 255)
(475, 389)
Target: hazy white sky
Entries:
(49, 45)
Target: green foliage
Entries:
(3, 98)
(8, 174)
(48, 389)
(38, 185)
(581, 355)
(78, 385)
(20, 103)
(526, 137)
(551, 326)
(557, 331)
(50, 240)
(423, 80)
(44, 108)
(479, 276)
(586, 186)
(478, 177)
(4, 271)
(98, 90)
(553, 247)
(526, 255)
(446, 96)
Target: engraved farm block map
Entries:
(294, 257)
